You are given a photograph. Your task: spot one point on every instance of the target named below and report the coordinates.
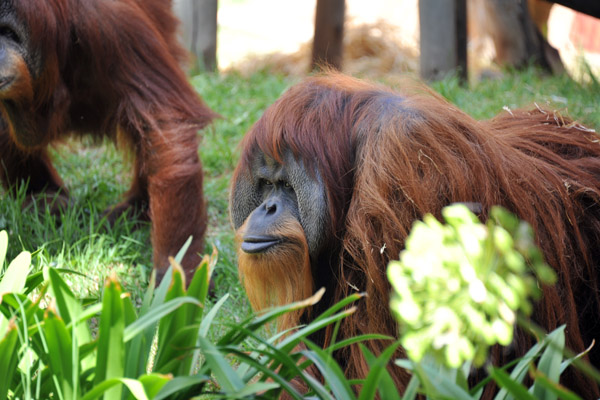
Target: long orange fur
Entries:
(388, 158)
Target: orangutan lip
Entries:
(259, 244)
(6, 81)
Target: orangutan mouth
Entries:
(259, 244)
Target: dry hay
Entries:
(370, 49)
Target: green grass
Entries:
(97, 177)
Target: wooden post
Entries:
(329, 34)
(443, 31)
(199, 31)
(517, 40)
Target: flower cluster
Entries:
(457, 286)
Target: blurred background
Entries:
(434, 38)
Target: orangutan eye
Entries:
(287, 185)
(267, 182)
(10, 34)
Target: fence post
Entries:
(329, 34)
(199, 31)
(443, 32)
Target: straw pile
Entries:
(372, 49)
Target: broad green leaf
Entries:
(378, 377)
(63, 362)
(155, 315)
(519, 372)
(153, 383)
(339, 305)
(141, 340)
(8, 359)
(405, 363)
(180, 384)
(437, 383)
(226, 376)
(200, 284)
(167, 348)
(198, 289)
(182, 339)
(129, 310)
(134, 361)
(513, 387)
(293, 339)
(554, 387)
(3, 247)
(357, 339)
(277, 377)
(254, 323)
(110, 361)
(70, 311)
(183, 250)
(566, 363)
(331, 371)
(13, 280)
(412, 389)
(549, 364)
(33, 281)
(208, 319)
(114, 385)
(253, 389)
(203, 330)
(265, 352)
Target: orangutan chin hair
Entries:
(280, 276)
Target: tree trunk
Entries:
(329, 34)
(199, 31)
(443, 32)
(517, 40)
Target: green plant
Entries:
(160, 349)
(50, 349)
(458, 286)
(458, 289)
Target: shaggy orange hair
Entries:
(387, 158)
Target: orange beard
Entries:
(280, 276)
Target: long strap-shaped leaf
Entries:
(110, 361)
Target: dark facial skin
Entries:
(279, 203)
(16, 58)
(273, 193)
(20, 65)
